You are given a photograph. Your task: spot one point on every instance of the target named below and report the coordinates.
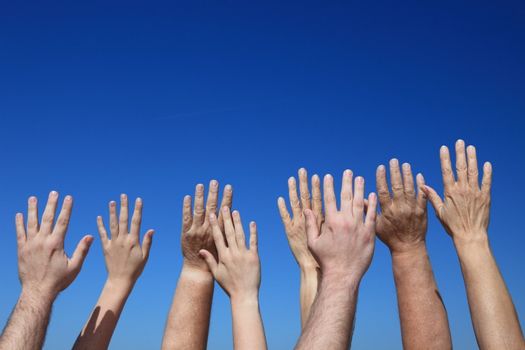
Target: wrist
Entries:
(472, 249)
(37, 297)
(195, 273)
(471, 240)
(408, 253)
(343, 279)
(118, 288)
(245, 298)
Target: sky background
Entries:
(152, 98)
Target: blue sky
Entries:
(152, 98)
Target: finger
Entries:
(102, 230)
(434, 199)
(49, 213)
(187, 218)
(408, 182)
(473, 175)
(396, 182)
(229, 230)
(113, 221)
(218, 237)
(210, 260)
(283, 211)
(346, 191)
(63, 218)
(317, 199)
(330, 204)
(294, 200)
(20, 229)
(358, 202)
(146, 243)
(303, 189)
(446, 167)
(312, 232)
(80, 253)
(198, 211)
(382, 187)
(32, 217)
(124, 212)
(371, 212)
(136, 220)
(461, 163)
(227, 199)
(253, 236)
(239, 231)
(213, 198)
(487, 178)
(421, 196)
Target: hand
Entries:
(402, 224)
(345, 246)
(296, 228)
(125, 258)
(196, 229)
(238, 270)
(464, 212)
(43, 265)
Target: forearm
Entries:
(189, 316)
(423, 317)
(26, 328)
(308, 291)
(248, 330)
(99, 328)
(331, 320)
(493, 314)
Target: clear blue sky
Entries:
(149, 99)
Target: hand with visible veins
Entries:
(295, 227)
(44, 270)
(464, 213)
(238, 271)
(196, 230)
(189, 317)
(402, 226)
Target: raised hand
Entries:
(343, 248)
(295, 228)
(345, 244)
(125, 258)
(238, 271)
(189, 316)
(464, 213)
(196, 229)
(402, 226)
(43, 265)
(44, 270)
(125, 261)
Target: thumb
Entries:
(312, 232)
(210, 260)
(434, 198)
(80, 253)
(146, 243)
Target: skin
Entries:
(238, 271)
(44, 270)
(343, 248)
(402, 226)
(189, 317)
(464, 213)
(125, 261)
(295, 228)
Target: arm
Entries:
(189, 317)
(464, 213)
(402, 226)
(238, 271)
(125, 261)
(44, 270)
(295, 229)
(344, 250)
